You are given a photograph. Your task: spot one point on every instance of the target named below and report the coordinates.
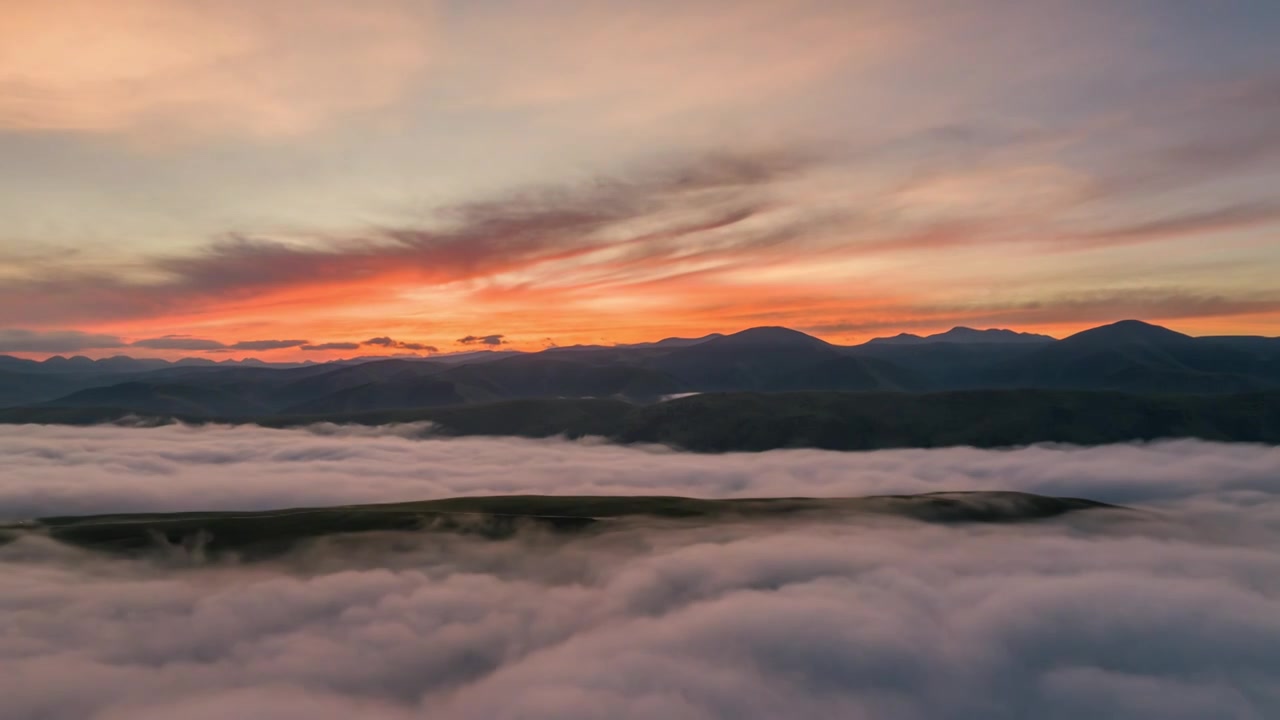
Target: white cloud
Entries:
(1167, 616)
(52, 469)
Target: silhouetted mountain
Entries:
(773, 359)
(473, 356)
(671, 342)
(123, 363)
(770, 338)
(405, 392)
(1128, 332)
(1129, 356)
(166, 399)
(21, 388)
(10, 363)
(674, 342)
(964, 335)
(1137, 356)
(68, 364)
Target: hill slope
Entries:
(720, 422)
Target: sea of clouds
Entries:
(1171, 613)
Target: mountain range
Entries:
(1129, 356)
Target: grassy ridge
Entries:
(257, 534)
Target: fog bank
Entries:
(52, 470)
(1172, 615)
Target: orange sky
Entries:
(241, 179)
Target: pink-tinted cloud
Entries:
(1167, 613)
(172, 69)
(331, 346)
(54, 341)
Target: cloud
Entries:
(187, 342)
(482, 340)
(645, 217)
(1074, 310)
(150, 65)
(1170, 614)
(672, 236)
(54, 341)
(1004, 154)
(178, 342)
(1230, 217)
(266, 344)
(1180, 136)
(387, 342)
(332, 346)
(66, 470)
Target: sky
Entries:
(317, 179)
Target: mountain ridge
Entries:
(961, 334)
(1129, 356)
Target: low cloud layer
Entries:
(1170, 615)
(66, 470)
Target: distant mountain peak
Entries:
(772, 336)
(1129, 331)
(683, 342)
(672, 342)
(962, 334)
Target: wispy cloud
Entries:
(332, 346)
(835, 160)
(1207, 222)
(648, 213)
(164, 68)
(178, 342)
(1070, 311)
(54, 341)
(266, 344)
(187, 342)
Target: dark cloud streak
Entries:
(482, 340)
(391, 343)
(266, 344)
(470, 240)
(187, 342)
(332, 346)
(1231, 217)
(178, 342)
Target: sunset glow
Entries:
(291, 180)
